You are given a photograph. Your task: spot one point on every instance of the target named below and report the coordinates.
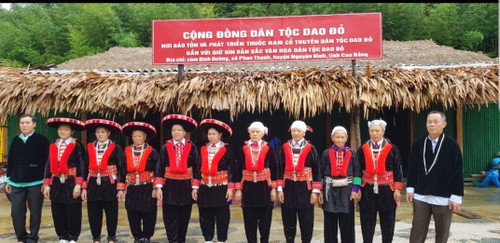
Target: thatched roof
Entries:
(301, 93)
(396, 54)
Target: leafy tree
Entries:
(442, 24)
(471, 40)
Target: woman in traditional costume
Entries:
(64, 172)
(105, 183)
(174, 176)
(216, 183)
(140, 200)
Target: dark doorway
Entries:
(397, 131)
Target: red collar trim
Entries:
(342, 171)
(302, 157)
(172, 158)
(261, 160)
(105, 157)
(142, 163)
(215, 161)
(370, 167)
(60, 166)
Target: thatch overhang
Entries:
(301, 93)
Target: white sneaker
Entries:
(63, 241)
(72, 241)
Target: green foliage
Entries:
(442, 24)
(471, 40)
(44, 33)
(128, 39)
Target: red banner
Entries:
(268, 39)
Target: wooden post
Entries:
(84, 134)
(354, 116)
(180, 72)
(460, 134)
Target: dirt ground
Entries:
(479, 222)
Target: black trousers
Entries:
(369, 221)
(18, 198)
(95, 210)
(212, 215)
(176, 221)
(344, 222)
(257, 217)
(142, 224)
(67, 220)
(306, 223)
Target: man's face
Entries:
(435, 124)
(297, 134)
(255, 134)
(26, 125)
(376, 133)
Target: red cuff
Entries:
(273, 184)
(78, 180)
(84, 184)
(280, 183)
(195, 182)
(398, 185)
(237, 186)
(121, 186)
(230, 185)
(317, 185)
(159, 180)
(47, 181)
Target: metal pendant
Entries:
(137, 181)
(98, 179)
(62, 178)
(209, 181)
(375, 184)
(294, 176)
(255, 177)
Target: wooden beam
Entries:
(84, 134)
(353, 134)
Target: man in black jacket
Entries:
(28, 153)
(435, 184)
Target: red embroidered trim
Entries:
(302, 158)
(260, 162)
(105, 157)
(172, 158)
(345, 164)
(215, 161)
(370, 168)
(130, 159)
(56, 166)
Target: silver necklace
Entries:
(427, 171)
